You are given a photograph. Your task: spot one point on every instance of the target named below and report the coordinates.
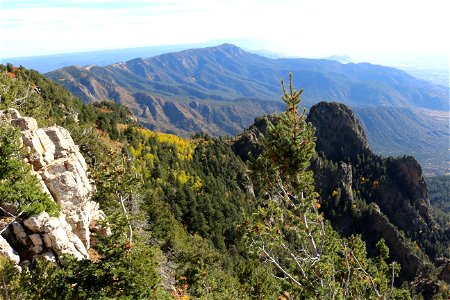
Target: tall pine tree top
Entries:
(289, 147)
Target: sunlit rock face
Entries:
(62, 171)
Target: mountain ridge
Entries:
(231, 64)
(224, 78)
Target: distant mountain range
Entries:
(51, 62)
(221, 89)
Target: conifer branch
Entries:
(361, 268)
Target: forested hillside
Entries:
(188, 222)
(439, 190)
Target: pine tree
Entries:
(17, 185)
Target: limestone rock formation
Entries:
(62, 171)
(55, 234)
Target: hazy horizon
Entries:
(364, 31)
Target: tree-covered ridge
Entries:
(49, 103)
(439, 191)
(201, 179)
(184, 149)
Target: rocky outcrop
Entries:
(403, 196)
(62, 171)
(248, 144)
(392, 194)
(7, 251)
(340, 135)
(406, 174)
(395, 187)
(334, 183)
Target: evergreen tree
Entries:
(17, 185)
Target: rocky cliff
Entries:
(362, 192)
(62, 172)
(338, 131)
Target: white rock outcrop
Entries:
(62, 170)
(7, 251)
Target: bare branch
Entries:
(311, 242)
(348, 269)
(367, 274)
(6, 212)
(130, 227)
(275, 262)
(19, 101)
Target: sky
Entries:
(309, 28)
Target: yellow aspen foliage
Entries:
(185, 147)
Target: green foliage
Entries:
(116, 273)
(35, 96)
(174, 202)
(17, 185)
(206, 188)
(439, 192)
(108, 117)
(289, 147)
(118, 269)
(202, 271)
(195, 193)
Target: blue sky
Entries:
(297, 27)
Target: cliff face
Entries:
(394, 188)
(392, 191)
(62, 172)
(338, 131)
(403, 195)
(248, 144)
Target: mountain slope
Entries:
(186, 199)
(221, 89)
(227, 72)
(421, 133)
